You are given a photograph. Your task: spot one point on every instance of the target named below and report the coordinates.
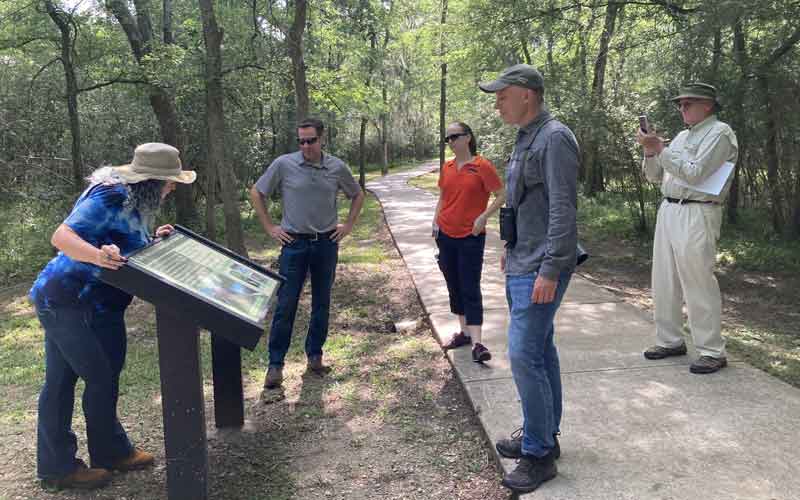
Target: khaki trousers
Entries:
(684, 254)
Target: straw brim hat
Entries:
(155, 160)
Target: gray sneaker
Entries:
(660, 352)
(708, 364)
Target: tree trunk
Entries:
(295, 45)
(773, 162)
(140, 38)
(362, 164)
(595, 181)
(64, 22)
(362, 138)
(166, 16)
(716, 58)
(795, 226)
(215, 117)
(739, 117)
(443, 86)
(385, 111)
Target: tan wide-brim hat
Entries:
(155, 160)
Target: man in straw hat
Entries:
(541, 187)
(84, 318)
(687, 228)
(308, 181)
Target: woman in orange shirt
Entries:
(459, 227)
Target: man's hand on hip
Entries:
(341, 231)
(279, 234)
(544, 290)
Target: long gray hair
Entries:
(144, 196)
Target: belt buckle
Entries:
(316, 236)
(681, 201)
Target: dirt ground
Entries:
(391, 422)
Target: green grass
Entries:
(775, 352)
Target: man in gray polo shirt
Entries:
(308, 181)
(541, 184)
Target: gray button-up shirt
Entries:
(542, 185)
(693, 156)
(308, 191)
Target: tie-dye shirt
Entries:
(101, 217)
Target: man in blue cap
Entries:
(541, 187)
(688, 227)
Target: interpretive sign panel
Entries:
(207, 283)
(196, 268)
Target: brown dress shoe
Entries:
(82, 478)
(274, 377)
(137, 460)
(315, 365)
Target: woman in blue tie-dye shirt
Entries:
(83, 318)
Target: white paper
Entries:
(714, 183)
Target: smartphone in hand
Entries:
(643, 124)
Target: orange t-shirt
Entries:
(465, 194)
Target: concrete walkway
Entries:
(632, 428)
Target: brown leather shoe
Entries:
(708, 364)
(137, 460)
(274, 377)
(82, 478)
(315, 365)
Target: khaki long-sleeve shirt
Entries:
(693, 156)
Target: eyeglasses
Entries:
(311, 140)
(684, 104)
(453, 137)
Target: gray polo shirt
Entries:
(308, 191)
(545, 198)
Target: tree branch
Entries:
(783, 49)
(112, 82)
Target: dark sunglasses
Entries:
(453, 137)
(309, 141)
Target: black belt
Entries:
(682, 201)
(312, 236)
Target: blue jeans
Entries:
(534, 361)
(92, 346)
(461, 263)
(298, 259)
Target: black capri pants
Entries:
(461, 262)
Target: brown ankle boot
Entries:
(82, 478)
(138, 459)
(315, 365)
(274, 377)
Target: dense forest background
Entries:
(82, 82)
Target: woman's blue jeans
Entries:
(299, 259)
(534, 361)
(90, 345)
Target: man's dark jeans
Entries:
(298, 259)
(461, 263)
(92, 346)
